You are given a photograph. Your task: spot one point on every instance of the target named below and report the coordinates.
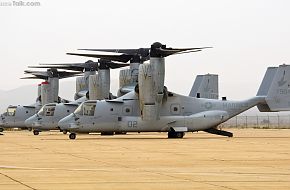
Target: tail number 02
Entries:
(132, 124)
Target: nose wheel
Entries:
(35, 132)
(72, 136)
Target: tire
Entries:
(35, 132)
(174, 135)
(107, 133)
(72, 136)
(179, 134)
(1, 130)
(64, 132)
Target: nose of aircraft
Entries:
(30, 121)
(2, 121)
(65, 122)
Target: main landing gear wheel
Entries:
(35, 132)
(172, 134)
(107, 133)
(72, 136)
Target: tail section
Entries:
(205, 86)
(265, 86)
(276, 88)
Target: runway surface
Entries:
(252, 159)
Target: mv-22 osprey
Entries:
(151, 108)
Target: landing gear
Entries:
(29, 129)
(173, 134)
(64, 132)
(219, 132)
(72, 136)
(1, 129)
(120, 133)
(35, 132)
(107, 133)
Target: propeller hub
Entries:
(155, 49)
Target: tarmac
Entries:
(252, 159)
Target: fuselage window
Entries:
(127, 110)
(175, 109)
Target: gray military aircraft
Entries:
(150, 108)
(15, 116)
(97, 85)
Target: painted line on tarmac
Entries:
(17, 181)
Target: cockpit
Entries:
(86, 108)
(47, 110)
(11, 111)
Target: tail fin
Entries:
(265, 86)
(205, 86)
(276, 87)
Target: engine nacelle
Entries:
(49, 91)
(125, 78)
(46, 95)
(99, 85)
(93, 80)
(54, 85)
(147, 95)
(80, 84)
(158, 66)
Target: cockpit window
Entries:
(86, 108)
(79, 110)
(40, 112)
(11, 111)
(47, 110)
(89, 109)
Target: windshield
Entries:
(86, 108)
(11, 111)
(40, 112)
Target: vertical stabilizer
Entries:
(265, 86)
(205, 86)
(278, 96)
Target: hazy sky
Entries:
(247, 36)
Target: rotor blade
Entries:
(121, 58)
(29, 78)
(171, 51)
(141, 51)
(65, 67)
(50, 73)
(188, 52)
(114, 65)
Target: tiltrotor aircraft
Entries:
(151, 108)
(15, 116)
(95, 86)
